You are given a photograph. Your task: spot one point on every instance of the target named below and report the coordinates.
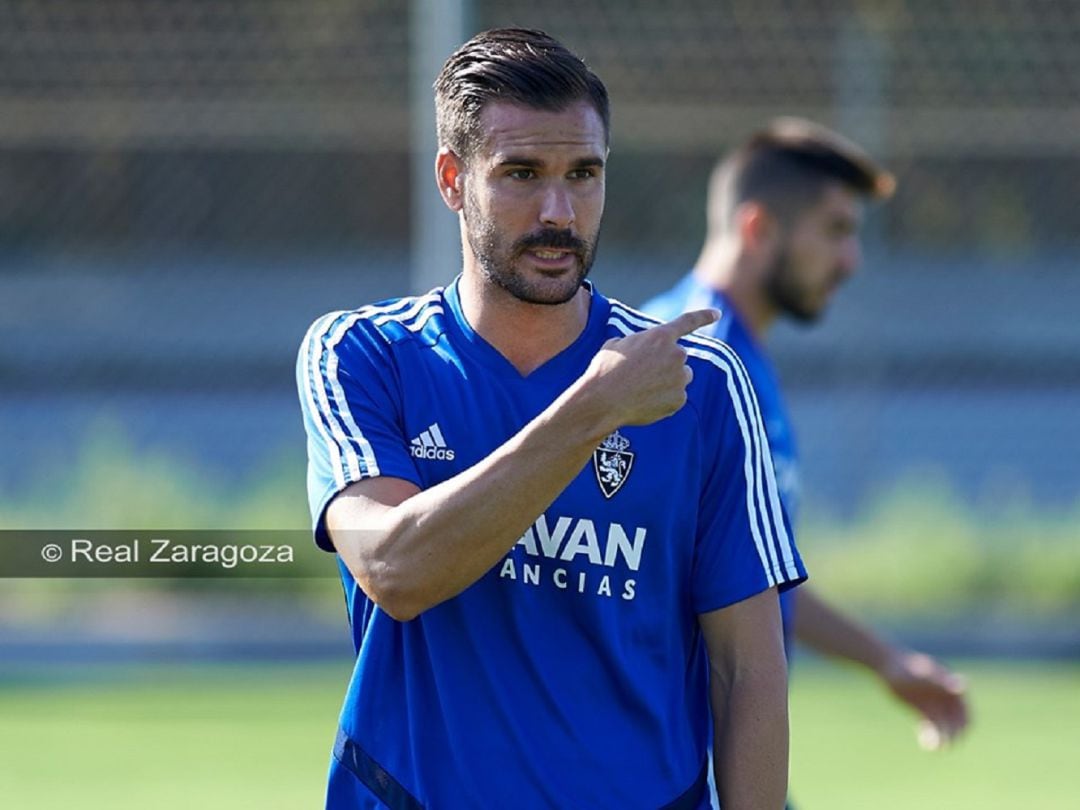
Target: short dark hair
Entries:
(519, 65)
(786, 167)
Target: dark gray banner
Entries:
(218, 553)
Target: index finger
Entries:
(691, 321)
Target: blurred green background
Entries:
(184, 188)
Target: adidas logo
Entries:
(431, 445)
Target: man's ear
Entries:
(758, 229)
(450, 177)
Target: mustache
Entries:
(551, 238)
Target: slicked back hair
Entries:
(786, 168)
(518, 65)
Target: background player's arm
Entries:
(748, 684)
(915, 678)
(411, 549)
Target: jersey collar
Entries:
(570, 361)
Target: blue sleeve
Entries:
(744, 543)
(350, 401)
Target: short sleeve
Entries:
(352, 413)
(744, 543)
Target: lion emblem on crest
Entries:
(612, 461)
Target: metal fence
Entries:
(184, 185)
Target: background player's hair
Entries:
(519, 65)
(786, 167)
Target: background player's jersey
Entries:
(572, 674)
(690, 294)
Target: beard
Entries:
(787, 293)
(498, 261)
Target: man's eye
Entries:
(522, 174)
(582, 174)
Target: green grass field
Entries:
(239, 737)
(854, 748)
(206, 738)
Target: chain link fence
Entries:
(185, 185)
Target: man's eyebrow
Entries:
(518, 160)
(536, 163)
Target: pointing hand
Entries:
(644, 376)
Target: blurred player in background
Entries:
(784, 212)
(545, 548)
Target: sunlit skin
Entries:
(530, 201)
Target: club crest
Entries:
(612, 461)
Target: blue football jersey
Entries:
(690, 294)
(573, 673)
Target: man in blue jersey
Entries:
(783, 213)
(552, 564)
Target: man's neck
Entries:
(527, 335)
(722, 267)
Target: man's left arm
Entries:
(744, 553)
(748, 694)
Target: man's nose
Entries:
(557, 208)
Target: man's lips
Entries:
(551, 258)
(550, 254)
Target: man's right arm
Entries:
(410, 549)
(915, 678)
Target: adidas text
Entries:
(432, 453)
(431, 445)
